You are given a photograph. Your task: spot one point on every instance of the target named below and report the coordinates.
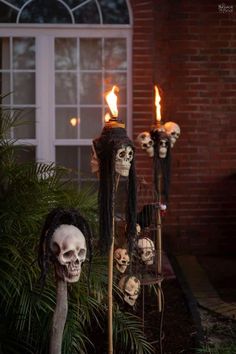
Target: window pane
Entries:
(23, 53)
(26, 129)
(91, 88)
(26, 154)
(7, 14)
(66, 91)
(123, 114)
(115, 53)
(75, 158)
(66, 123)
(119, 80)
(91, 122)
(24, 88)
(44, 11)
(87, 14)
(90, 53)
(65, 53)
(5, 54)
(5, 86)
(85, 157)
(67, 156)
(114, 11)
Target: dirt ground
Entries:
(177, 330)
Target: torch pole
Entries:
(110, 272)
(59, 318)
(159, 243)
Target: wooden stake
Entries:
(110, 273)
(159, 244)
(59, 318)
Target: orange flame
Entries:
(107, 117)
(111, 99)
(157, 104)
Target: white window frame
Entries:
(45, 110)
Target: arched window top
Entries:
(99, 12)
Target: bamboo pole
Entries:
(59, 318)
(159, 243)
(110, 272)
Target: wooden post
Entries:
(110, 297)
(159, 243)
(110, 271)
(59, 318)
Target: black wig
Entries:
(106, 146)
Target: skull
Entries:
(163, 147)
(173, 130)
(146, 143)
(68, 245)
(146, 250)
(124, 156)
(130, 287)
(94, 163)
(122, 259)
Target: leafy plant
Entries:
(218, 349)
(28, 191)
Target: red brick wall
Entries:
(189, 49)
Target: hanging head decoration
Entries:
(161, 160)
(115, 156)
(64, 242)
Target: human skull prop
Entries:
(146, 250)
(173, 130)
(68, 246)
(122, 259)
(146, 143)
(163, 147)
(124, 156)
(94, 163)
(130, 287)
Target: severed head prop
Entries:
(130, 287)
(161, 160)
(115, 156)
(173, 131)
(65, 242)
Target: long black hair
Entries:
(106, 146)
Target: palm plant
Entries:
(27, 192)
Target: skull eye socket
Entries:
(122, 154)
(173, 133)
(118, 256)
(68, 254)
(81, 253)
(130, 153)
(148, 253)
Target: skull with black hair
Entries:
(64, 241)
(115, 156)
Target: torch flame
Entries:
(157, 104)
(107, 117)
(111, 99)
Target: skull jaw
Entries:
(130, 299)
(121, 267)
(148, 261)
(71, 275)
(172, 141)
(162, 153)
(150, 151)
(122, 168)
